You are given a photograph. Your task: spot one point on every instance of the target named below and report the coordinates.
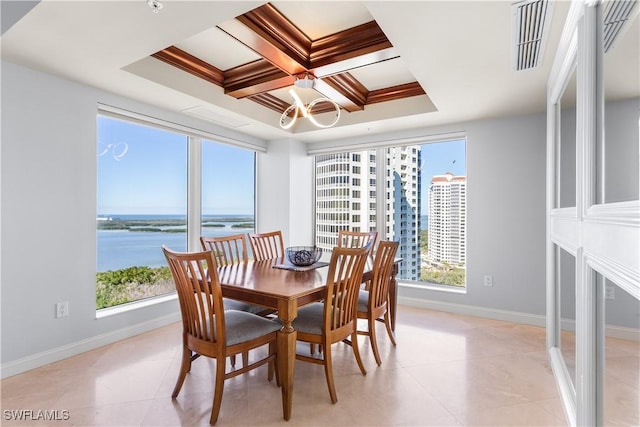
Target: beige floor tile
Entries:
(526, 414)
(446, 370)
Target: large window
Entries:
(143, 203)
(424, 200)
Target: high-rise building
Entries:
(346, 200)
(403, 206)
(448, 220)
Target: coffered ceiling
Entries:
(391, 65)
(274, 52)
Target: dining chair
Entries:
(331, 321)
(266, 245)
(353, 239)
(373, 303)
(357, 239)
(229, 250)
(211, 331)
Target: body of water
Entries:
(119, 249)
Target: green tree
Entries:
(130, 284)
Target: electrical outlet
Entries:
(62, 309)
(609, 292)
(488, 280)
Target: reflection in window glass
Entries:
(141, 205)
(621, 364)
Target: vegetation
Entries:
(131, 284)
(424, 241)
(447, 275)
(244, 225)
(231, 219)
(177, 225)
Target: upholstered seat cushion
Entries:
(310, 319)
(242, 326)
(231, 304)
(363, 301)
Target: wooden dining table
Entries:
(284, 290)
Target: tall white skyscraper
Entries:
(448, 220)
(346, 199)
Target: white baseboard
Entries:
(471, 310)
(622, 332)
(612, 331)
(44, 358)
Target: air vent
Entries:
(616, 15)
(531, 20)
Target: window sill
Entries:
(136, 305)
(433, 287)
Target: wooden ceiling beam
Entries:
(395, 92)
(254, 77)
(351, 43)
(189, 63)
(271, 35)
(343, 89)
(270, 101)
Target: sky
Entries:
(439, 158)
(127, 185)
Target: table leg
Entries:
(287, 358)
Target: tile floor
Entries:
(447, 370)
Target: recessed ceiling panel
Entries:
(218, 49)
(383, 74)
(318, 19)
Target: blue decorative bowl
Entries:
(303, 255)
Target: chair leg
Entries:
(312, 348)
(328, 373)
(185, 367)
(356, 351)
(217, 392)
(245, 358)
(374, 340)
(232, 359)
(387, 323)
(273, 364)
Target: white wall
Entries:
(285, 192)
(48, 202)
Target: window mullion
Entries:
(381, 192)
(194, 193)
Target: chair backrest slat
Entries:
(382, 271)
(266, 245)
(199, 294)
(343, 283)
(357, 239)
(227, 250)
